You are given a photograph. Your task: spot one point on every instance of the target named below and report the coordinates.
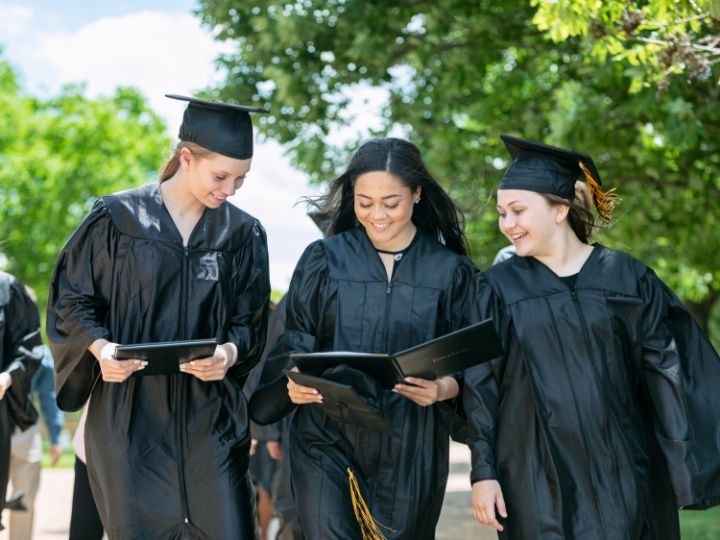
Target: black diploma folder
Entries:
(436, 358)
(342, 402)
(165, 357)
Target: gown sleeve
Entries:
(22, 348)
(460, 307)
(304, 312)
(249, 320)
(481, 394)
(77, 306)
(681, 373)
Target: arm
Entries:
(681, 374)
(21, 336)
(44, 386)
(302, 307)
(77, 305)
(246, 335)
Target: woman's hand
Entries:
(486, 497)
(212, 368)
(113, 370)
(5, 383)
(425, 392)
(302, 395)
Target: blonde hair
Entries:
(173, 164)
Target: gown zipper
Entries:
(180, 394)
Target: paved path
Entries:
(53, 504)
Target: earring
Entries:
(417, 201)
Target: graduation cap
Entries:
(224, 128)
(349, 396)
(553, 170)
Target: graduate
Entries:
(167, 454)
(392, 272)
(603, 416)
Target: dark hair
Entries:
(435, 213)
(580, 216)
(173, 164)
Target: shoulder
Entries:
(7, 281)
(11, 289)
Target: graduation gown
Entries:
(19, 337)
(603, 417)
(340, 298)
(167, 454)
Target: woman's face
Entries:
(215, 178)
(384, 206)
(529, 221)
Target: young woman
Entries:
(167, 454)
(392, 272)
(603, 416)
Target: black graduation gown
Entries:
(340, 299)
(167, 455)
(603, 417)
(19, 335)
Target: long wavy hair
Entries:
(435, 214)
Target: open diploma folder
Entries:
(165, 357)
(342, 401)
(436, 358)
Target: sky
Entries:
(158, 47)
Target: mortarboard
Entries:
(553, 170)
(221, 127)
(349, 396)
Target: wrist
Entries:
(231, 352)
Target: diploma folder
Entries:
(165, 357)
(436, 358)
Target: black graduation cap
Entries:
(545, 169)
(349, 396)
(224, 128)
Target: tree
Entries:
(658, 39)
(457, 74)
(56, 156)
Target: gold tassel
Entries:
(604, 201)
(368, 526)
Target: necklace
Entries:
(400, 252)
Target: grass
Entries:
(700, 524)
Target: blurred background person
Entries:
(27, 448)
(20, 357)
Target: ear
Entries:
(417, 193)
(561, 212)
(186, 158)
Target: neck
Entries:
(177, 198)
(568, 257)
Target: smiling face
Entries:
(529, 221)
(384, 206)
(215, 177)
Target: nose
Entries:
(506, 222)
(229, 188)
(379, 211)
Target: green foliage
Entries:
(458, 73)
(661, 37)
(58, 155)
